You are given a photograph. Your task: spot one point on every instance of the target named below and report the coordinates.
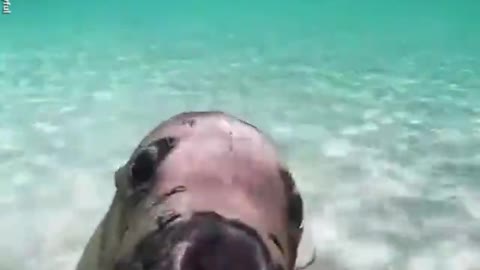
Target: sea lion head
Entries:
(148, 228)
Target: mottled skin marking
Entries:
(189, 122)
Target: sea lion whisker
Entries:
(176, 189)
(164, 220)
(160, 199)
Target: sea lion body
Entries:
(222, 165)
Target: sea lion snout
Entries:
(206, 241)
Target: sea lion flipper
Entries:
(306, 252)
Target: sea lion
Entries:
(203, 190)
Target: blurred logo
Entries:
(6, 7)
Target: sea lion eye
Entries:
(143, 166)
(147, 160)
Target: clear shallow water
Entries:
(377, 107)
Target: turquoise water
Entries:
(376, 104)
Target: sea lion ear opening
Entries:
(295, 201)
(301, 233)
(144, 164)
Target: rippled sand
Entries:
(384, 143)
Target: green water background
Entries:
(376, 104)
